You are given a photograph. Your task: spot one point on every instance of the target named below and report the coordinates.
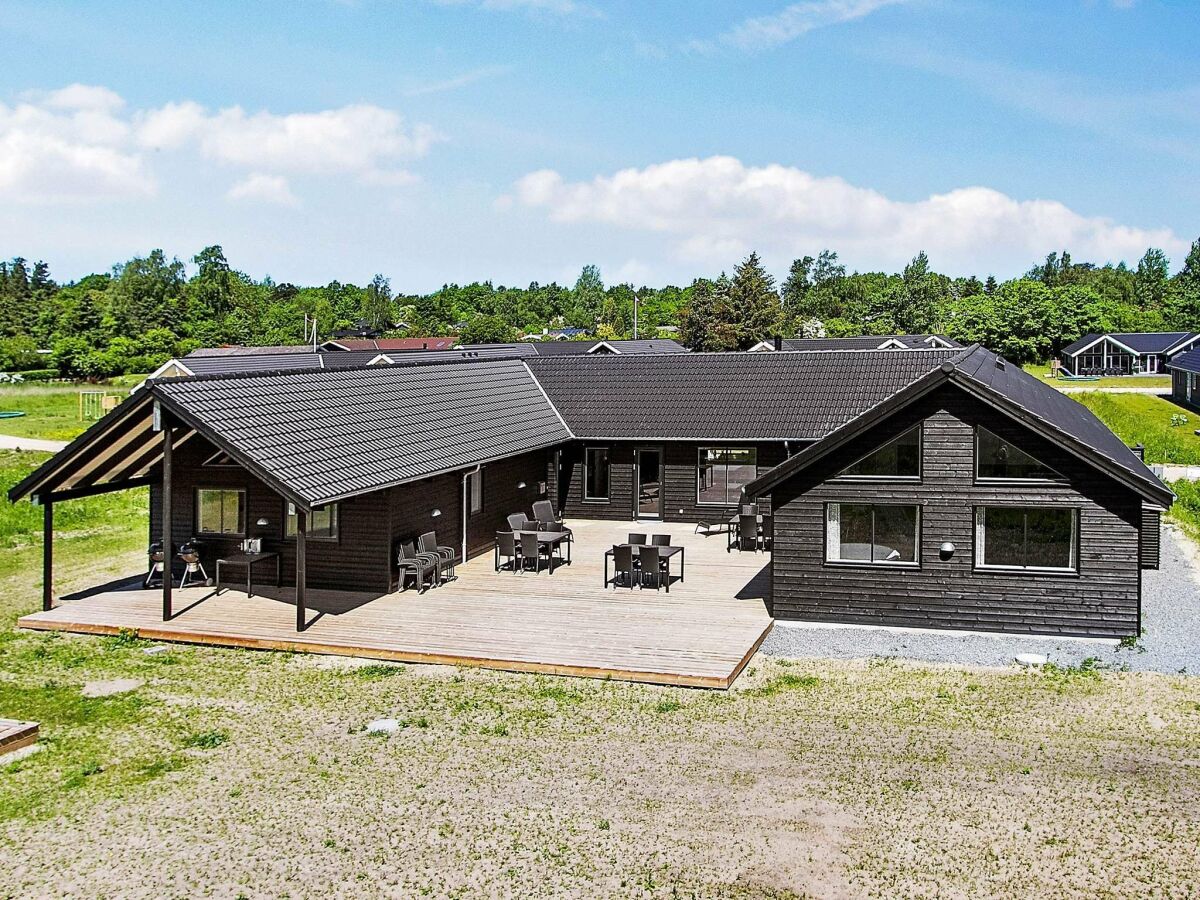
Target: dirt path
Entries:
(12, 442)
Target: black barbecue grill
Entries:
(157, 560)
(193, 568)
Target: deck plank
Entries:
(701, 634)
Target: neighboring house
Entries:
(1127, 353)
(628, 348)
(861, 342)
(943, 488)
(557, 334)
(1185, 377)
(386, 345)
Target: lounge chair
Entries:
(427, 543)
(421, 565)
(506, 546)
(543, 511)
(622, 564)
(520, 522)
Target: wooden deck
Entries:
(700, 634)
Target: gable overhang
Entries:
(1103, 337)
(948, 373)
(608, 348)
(1182, 345)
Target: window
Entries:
(595, 473)
(475, 491)
(722, 473)
(322, 524)
(898, 458)
(1012, 537)
(220, 511)
(872, 534)
(996, 458)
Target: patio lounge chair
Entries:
(622, 564)
(543, 511)
(506, 546)
(532, 548)
(421, 565)
(637, 539)
(427, 543)
(660, 540)
(521, 522)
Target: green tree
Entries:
(587, 297)
(797, 285)
(753, 303)
(482, 329)
(1150, 284)
(377, 303)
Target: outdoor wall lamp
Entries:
(520, 485)
(262, 523)
(435, 513)
(946, 550)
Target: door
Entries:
(649, 484)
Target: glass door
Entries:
(649, 484)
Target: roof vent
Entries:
(999, 362)
(948, 366)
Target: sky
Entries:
(442, 141)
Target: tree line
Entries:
(150, 308)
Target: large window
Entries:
(1011, 537)
(898, 458)
(220, 511)
(722, 473)
(595, 473)
(475, 492)
(322, 524)
(996, 458)
(872, 533)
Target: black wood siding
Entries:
(679, 479)
(1103, 599)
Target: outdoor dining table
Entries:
(248, 560)
(553, 539)
(663, 553)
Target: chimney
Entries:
(778, 342)
(1140, 450)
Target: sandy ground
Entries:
(828, 779)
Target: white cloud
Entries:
(458, 81)
(791, 22)
(68, 145)
(273, 189)
(716, 209)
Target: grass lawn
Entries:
(1146, 419)
(251, 773)
(1042, 371)
(52, 409)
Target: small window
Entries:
(220, 511)
(322, 524)
(872, 534)
(898, 458)
(1011, 537)
(595, 473)
(723, 472)
(475, 491)
(997, 458)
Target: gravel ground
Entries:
(1170, 640)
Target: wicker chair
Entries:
(638, 539)
(651, 566)
(532, 548)
(420, 564)
(622, 564)
(506, 546)
(660, 540)
(427, 543)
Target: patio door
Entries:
(648, 464)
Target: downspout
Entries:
(466, 505)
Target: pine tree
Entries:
(754, 304)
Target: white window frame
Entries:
(981, 541)
(587, 451)
(833, 536)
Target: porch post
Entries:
(168, 556)
(301, 575)
(47, 555)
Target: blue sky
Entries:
(517, 140)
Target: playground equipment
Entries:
(96, 404)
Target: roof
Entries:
(236, 350)
(1136, 342)
(251, 362)
(385, 344)
(866, 342)
(723, 396)
(1186, 362)
(630, 348)
(1013, 391)
(331, 434)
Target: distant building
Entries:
(557, 334)
(1144, 353)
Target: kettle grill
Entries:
(194, 569)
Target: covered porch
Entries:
(700, 634)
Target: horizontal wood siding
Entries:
(1102, 600)
(411, 506)
(679, 479)
(357, 560)
(502, 497)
